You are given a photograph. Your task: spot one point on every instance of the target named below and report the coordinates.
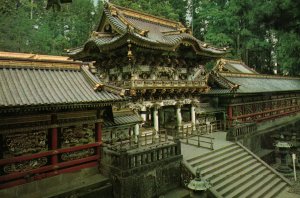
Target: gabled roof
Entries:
(252, 83)
(120, 26)
(225, 79)
(233, 66)
(31, 82)
(122, 118)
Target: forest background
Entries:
(265, 34)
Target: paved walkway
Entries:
(190, 151)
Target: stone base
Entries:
(147, 181)
(284, 169)
(84, 183)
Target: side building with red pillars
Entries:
(52, 113)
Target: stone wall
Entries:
(143, 172)
(151, 182)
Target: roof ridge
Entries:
(258, 75)
(38, 64)
(37, 61)
(224, 61)
(146, 16)
(35, 57)
(98, 85)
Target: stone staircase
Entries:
(235, 172)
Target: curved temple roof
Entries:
(30, 82)
(144, 30)
(236, 77)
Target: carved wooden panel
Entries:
(77, 135)
(25, 143)
(25, 165)
(77, 154)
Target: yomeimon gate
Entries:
(137, 114)
(157, 61)
(160, 65)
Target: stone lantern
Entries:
(284, 148)
(198, 186)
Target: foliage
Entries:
(263, 33)
(170, 9)
(259, 32)
(29, 27)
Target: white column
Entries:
(193, 116)
(136, 132)
(178, 114)
(144, 113)
(155, 119)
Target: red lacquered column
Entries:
(98, 135)
(229, 113)
(54, 146)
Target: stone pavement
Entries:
(190, 151)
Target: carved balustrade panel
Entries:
(251, 111)
(78, 154)
(133, 159)
(25, 165)
(15, 145)
(25, 143)
(75, 136)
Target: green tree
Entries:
(165, 9)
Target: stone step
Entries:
(266, 185)
(275, 190)
(221, 164)
(216, 153)
(231, 169)
(246, 185)
(257, 185)
(177, 192)
(241, 180)
(216, 160)
(97, 181)
(235, 177)
(105, 190)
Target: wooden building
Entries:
(253, 101)
(252, 97)
(160, 65)
(157, 61)
(52, 111)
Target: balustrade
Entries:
(264, 110)
(158, 83)
(241, 130)
(62, 156)
(125, 160)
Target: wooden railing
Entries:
(263, 110)
(200, 136)
(54, 161)
(51, 168)
(143, 139)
